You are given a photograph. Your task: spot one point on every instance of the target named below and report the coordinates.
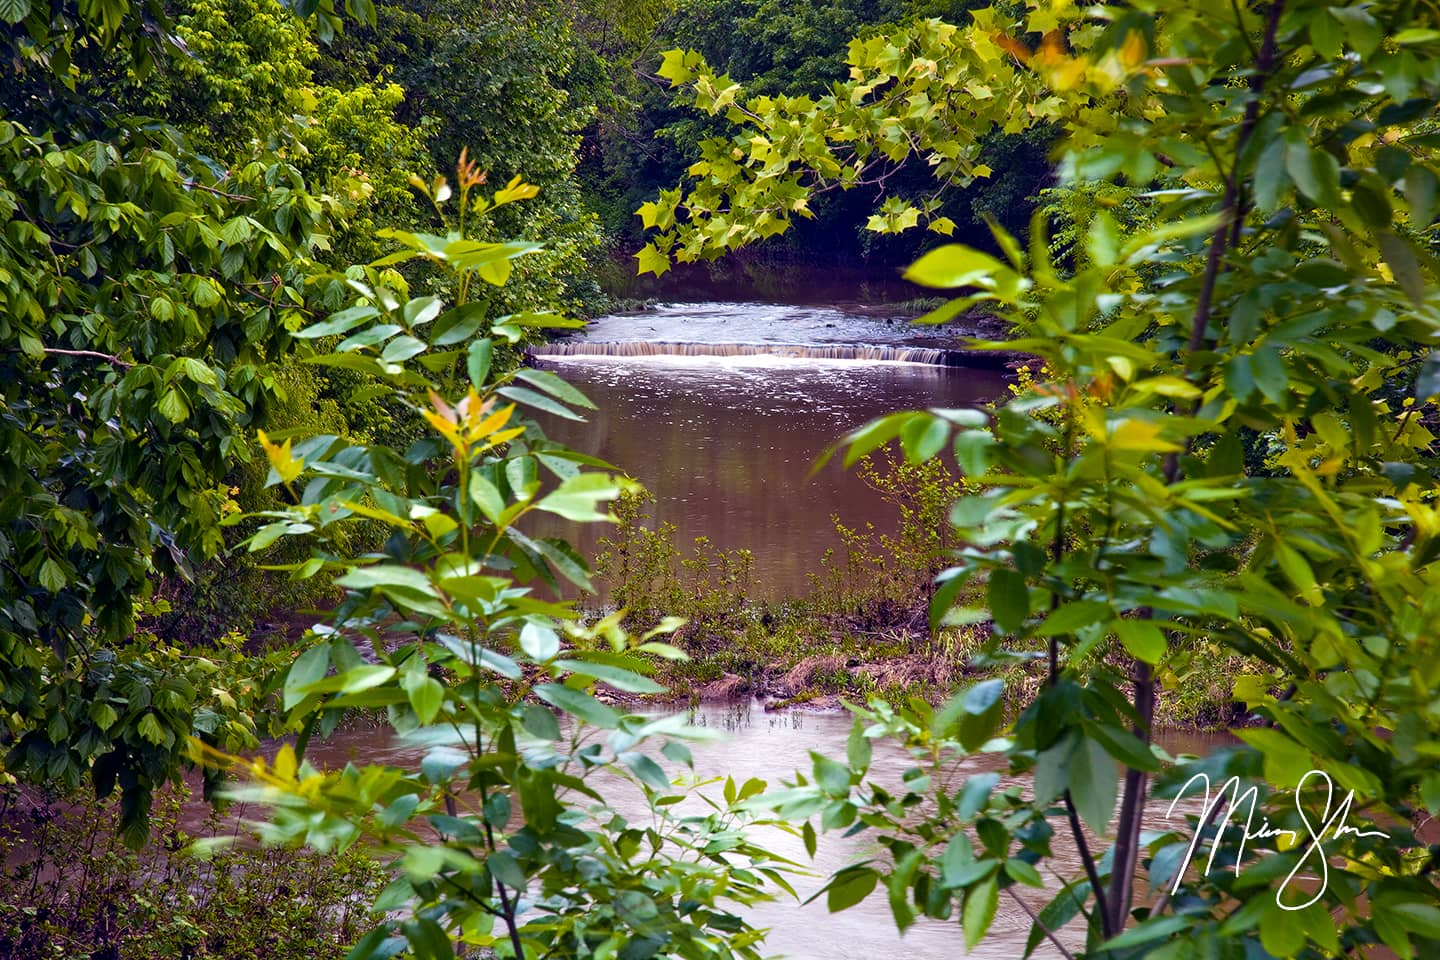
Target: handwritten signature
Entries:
(1330, 823)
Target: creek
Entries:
(721, 408)
(772, 746)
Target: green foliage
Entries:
(778, 49)
(146, 290)
(123, 718)
(1279, 287)
(789, 149)
(898, 568)
(511, 88)
(648, 575)
(70, 889)
(508, 837)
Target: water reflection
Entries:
(733, 278)
(772, 746)
(726, 443)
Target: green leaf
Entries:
(52, 576)
(1268, 368)
(953, 265)
(387, 575)
(975, 794)
(484, 495)
(426, 696)
(874, 434)
(849, 887)
(151, 730)
(1422, 188)
(1142, 639)
(1123, 745)
(974, 450)
(958, 866)
(1157, 928)
(923, 436)
(477, 362)
(1281, 933)
(539, 401)
(652, 260)
(1270, 176)
(1315, 172)
(554, 386)
(978, 913)
(579, 704)
(1285, 761)
(504, 868)
(832, 776)
(308, 668)
(578, 498)
(649, 772)
(672, 67)
(198, 372)
(1094, 781)
(1009, 599)
(1024, 872)
(1073, 616)
(1419, 918)
(13, 11)
(173, 406)
(1054, 915)
(539, 642)
(402, 348)
(617, 677)
(857, 747)
(1404, 265)
(339, 322)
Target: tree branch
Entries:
(1035, 918)
(1132, 809)
(196, 185)
(90, 353)
(1088, 859)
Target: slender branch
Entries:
(1035, 918)
(1088, 859)
(1231, 209)
(196, 185)
(507, 907)
(1215, 809)
(90, 353)
(1132, 809)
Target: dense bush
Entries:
(70, 888)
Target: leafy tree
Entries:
(509, 86)
(146, 289)
(1233, 445)
(791, 49)
(508, 837)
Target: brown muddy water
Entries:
(772, 746)
(721, 409)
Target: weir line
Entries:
(933, 356)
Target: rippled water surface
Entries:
(726, 443)
(722, 322)
(772, 746)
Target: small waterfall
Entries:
(639, 348)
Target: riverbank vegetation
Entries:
(863, 630)
(255, 350)
(73, 888)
